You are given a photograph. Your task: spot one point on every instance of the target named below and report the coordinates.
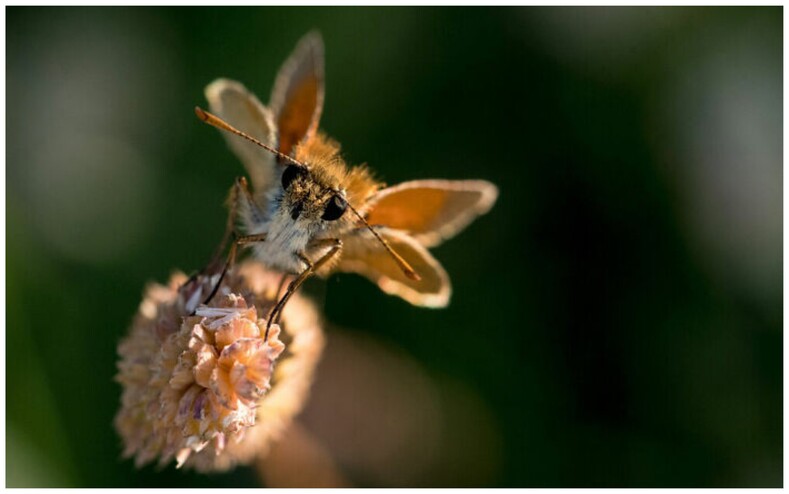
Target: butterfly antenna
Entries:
(402, 263)
(217, 122)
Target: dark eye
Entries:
(335, 207)
(291, 173)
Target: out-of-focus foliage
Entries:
(616, 319)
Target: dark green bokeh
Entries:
(586, 311)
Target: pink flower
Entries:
(203, 389)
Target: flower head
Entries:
(200, 384)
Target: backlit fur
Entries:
(286, 237)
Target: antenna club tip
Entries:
(201, 114)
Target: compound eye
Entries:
(291, 173)
(335, 207)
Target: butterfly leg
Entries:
(239, 192)
(335, 246)
(239, 187)
(232, 200)
(231, 258)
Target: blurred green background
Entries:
(616, 318)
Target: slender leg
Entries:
(239, 186)
(238, 191)
(231, 258)
(276, 312)
(251, 239)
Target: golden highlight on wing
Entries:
(432, 211)
(297, 97)
(363, 255)
(231, 101)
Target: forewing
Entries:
(365, 255)
(297, 97)
(232, 102)
(432, 211)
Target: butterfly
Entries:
(309, 212)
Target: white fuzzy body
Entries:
(285, 237)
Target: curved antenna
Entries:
(401, 263)
(217, 122)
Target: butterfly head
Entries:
(308, 200)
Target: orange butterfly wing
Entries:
(431, 211)
(297, 97)
(364, 255)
